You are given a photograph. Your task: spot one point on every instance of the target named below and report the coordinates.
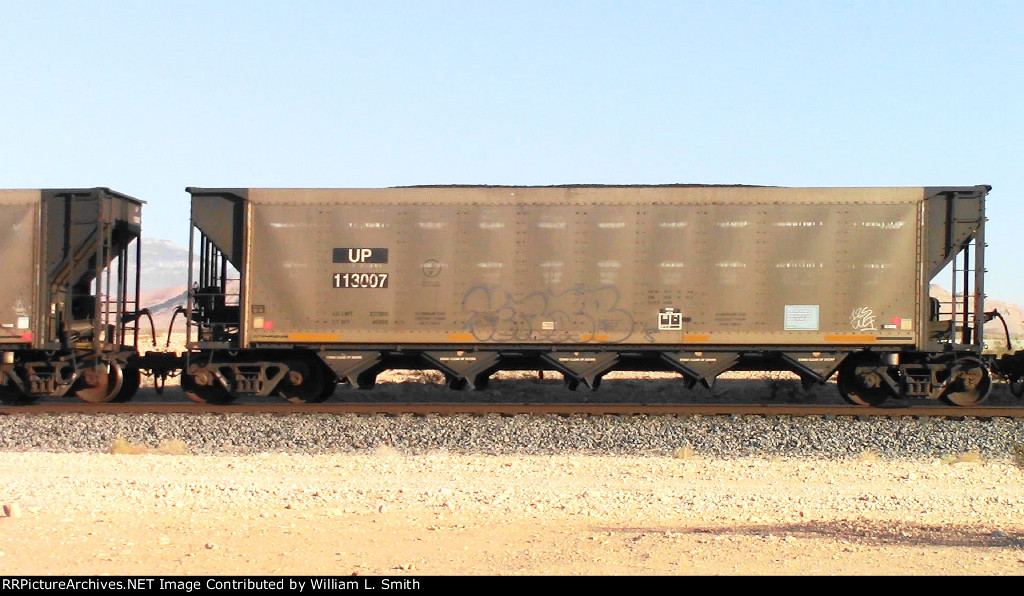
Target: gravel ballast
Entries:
(708, 436)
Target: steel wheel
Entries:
(865, 388)
(100, 383)
(210, 393)
(306, 382)
(970, 384)
(131, 379)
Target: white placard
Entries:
(801, 317)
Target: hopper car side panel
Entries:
(545, 274)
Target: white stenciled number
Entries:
(361, 280)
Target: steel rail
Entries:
(531, 409)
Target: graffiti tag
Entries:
(863, 319)
(494, 315)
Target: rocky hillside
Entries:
(164, 280)
(164, 265)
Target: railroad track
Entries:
(731, 397)
(508, 409)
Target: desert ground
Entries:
(160, 511)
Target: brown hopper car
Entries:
(69, 294)
(297, 289)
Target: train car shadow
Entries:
(857, 531)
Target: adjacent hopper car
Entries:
(296, 290)
(70, 278)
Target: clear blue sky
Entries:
(150, 97)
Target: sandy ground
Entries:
(386, 514)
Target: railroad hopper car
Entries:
(296, 290)
(69, 294)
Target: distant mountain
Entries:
(164, 282)
(164, 265)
